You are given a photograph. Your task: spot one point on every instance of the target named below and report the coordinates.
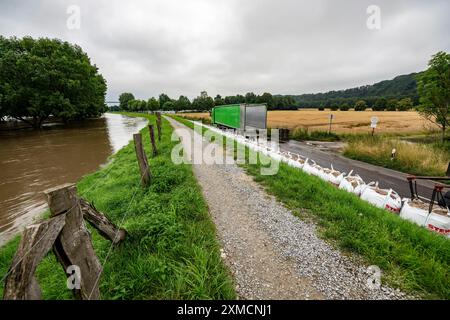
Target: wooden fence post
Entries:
(37, 240)
(65, 232)
(158, 125)
(142, 160)
(73, 247)
(152, 139)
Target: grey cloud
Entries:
(229, 47)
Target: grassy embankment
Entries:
(171, 251)
(411, 258)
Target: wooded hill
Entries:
(403, 86)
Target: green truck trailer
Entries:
(240, 116)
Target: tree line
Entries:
(203, 102)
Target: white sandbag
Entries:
(381, 198)
(333, 176)
(312, 168)
(417, 211)
(439, 223)
(353, 184)
(297, 161)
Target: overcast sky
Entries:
(229, 46)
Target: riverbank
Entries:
(411, 258)
(35, 160)
(171, 251)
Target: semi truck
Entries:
(241, 117)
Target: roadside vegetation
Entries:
(411, 257)
(316, 135)
(171, 251)
(414, 158)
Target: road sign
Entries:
(373, 122)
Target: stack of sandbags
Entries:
(312, 168)
(333, 176)
(417, 211)
(381, 198)
(353, 184)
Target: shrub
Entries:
(360, 105)
(344, 107)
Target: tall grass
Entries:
(315, 135)
(171, 251)
(413, 158)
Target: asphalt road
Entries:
(387, 178)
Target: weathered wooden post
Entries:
(152, 139)
(142, 160)
(66, 232)
(158, 124)
(37, 240)
(73, 246)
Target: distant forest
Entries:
(400, 87)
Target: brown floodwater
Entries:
(33, 161)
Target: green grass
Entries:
(411, 258)
(171, 251)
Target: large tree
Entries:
(183, 103)
(203, 102)
(153, 104)
(124, 99)
(433, 87)
(44, 77)
(163, 98)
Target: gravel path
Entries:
(271, 253)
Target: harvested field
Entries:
(405, 122)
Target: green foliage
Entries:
(124, 98)
(344, 107)
(218, 101)
(434, 91)
(40, 78)
(250, 97)
(391, 105)
(136, 105)
(266, 98)
(404, 104)
(380, 104)
(360, 105)
(168, 106)
(163, 98)
(171, 251)
(153, 104)
(203, 102)
(183, 103)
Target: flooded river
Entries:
(32, 161)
